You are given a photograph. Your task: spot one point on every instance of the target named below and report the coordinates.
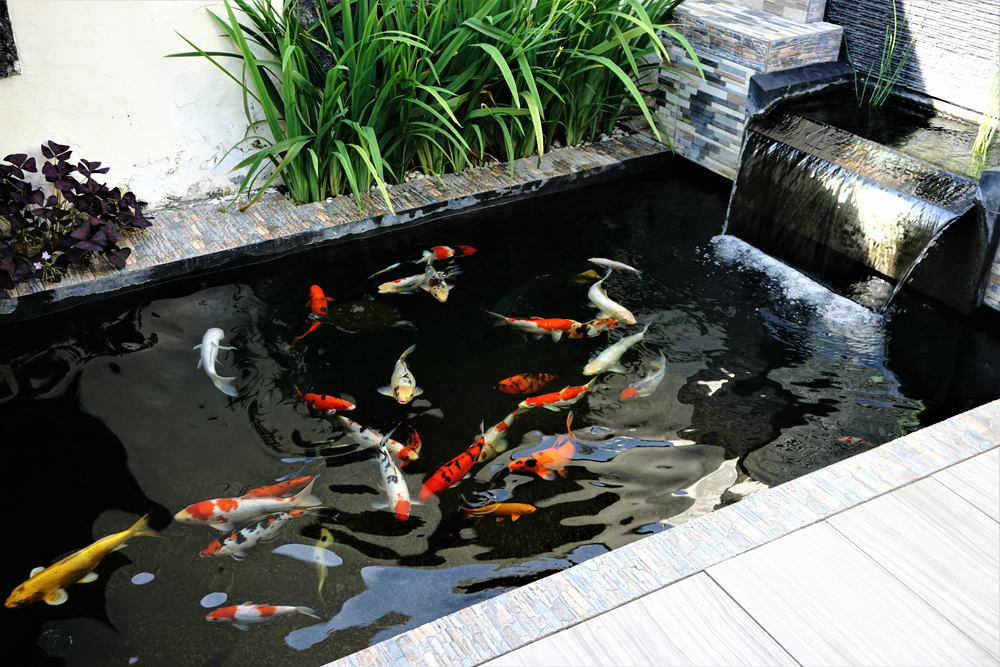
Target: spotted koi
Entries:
(262, 530)
(452, 472)
(223, 513)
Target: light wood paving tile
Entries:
(827, 603)
(940, 547)
(977, 480)
(692, 622)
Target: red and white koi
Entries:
(648, 384)
(444, 252)
(539, 326)
(452, 472)
(407, 285)
(594, 327)
(244, 615)
(557, 400)
(608, 307)
(608, 359)
(393, 485)
(402, 386)
(223, 513)
(436, 284)
(328, 405)
(209, 354)
(494, 442)
(262, 530)
(612, 264)
(370, 439)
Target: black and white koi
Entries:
(263, 530)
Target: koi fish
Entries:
(452, 472)
(370, 438)
(209, 353)
(404, 285)
(607, 307)
(612, 264)
(548, 462)
(413, 443)
(244, 615)
(312, 327)
(393, 485)
(318, 306)
(557, 400)
(326, 404)
(493, 440)
(539, 326)
(444, 252)
(322, 545)
(525, 383)
(222, 513)
(594, 327)
(263, 530)
(851, 440)
(402, 386)
(50, 583)
(608, 359)
(648, 384)
(276, 490)
(435, 282)
(499, 510)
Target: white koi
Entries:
(612, 264)
(608, 307)
(402, 386)
(209, 354)
(393, 485)
(648, 384)
(370, 438)
(608, 359)
(404, 285)
(223, 513)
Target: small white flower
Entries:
(38, 266)
(46, 256)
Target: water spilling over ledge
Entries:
(842, 207)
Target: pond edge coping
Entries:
(201, 238)
(513, 619)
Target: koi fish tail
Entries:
(388, 268)
(306, 497)
(226, 385)
(141, 529)
(501, 321)
(308, 612)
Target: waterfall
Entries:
(854, 214)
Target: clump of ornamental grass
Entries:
(433, 86)
(43, 232)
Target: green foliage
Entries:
(875, 92)
(987, 128)
(436, 86)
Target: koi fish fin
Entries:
(308, 612)
(546, 474)
(57, 597)
(553, 408)
(379, 505)
(241, 626)
(408, 350)
(385, 391)
(536, 336)
(417, 391)
(141, 529)
(501, 446)
(92, 576)
(225, 385)
(556, 335)
(500, 518)
(515, 517)
(224, 527)
(616, 368)
(199, 361)
(501, 321)
(197, 347)
(306, 498)
(223, 347)
(239, 555)
(36, 571)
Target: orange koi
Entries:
(318, 305)
(525, 383)
(281, 489)
(324, 403)
(557, 400)
(547, 462)
(850, 440)
(451, 472)
(499, 510)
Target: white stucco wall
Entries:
(93, 76)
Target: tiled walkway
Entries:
(891, 557)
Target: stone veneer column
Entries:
(706, 118)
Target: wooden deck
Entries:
(909, 578)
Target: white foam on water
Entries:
(794, 284)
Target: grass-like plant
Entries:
(434, 86)
(987, 128)
(875, 92)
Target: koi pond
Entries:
(107, 417)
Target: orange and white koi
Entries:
(594, 327)
(547, 462)
(498, 510)
(275, 490)
(402, 386)
(244, 615)
(452, 472)
(209, 354)
(393, 485)
(262, 530)
(607, 307)
(612, 264)
(648, 384)
(608, 359)
(50, 583)
(370, 438)
(325, 404)
(494, 442)
(557, 400)
(539, 326)
(444, 252)
(223, 513)
(525, 383)
(407, 285)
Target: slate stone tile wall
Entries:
(733, 42)
(805, 11)
(957, 43)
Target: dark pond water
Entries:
(106, 418)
